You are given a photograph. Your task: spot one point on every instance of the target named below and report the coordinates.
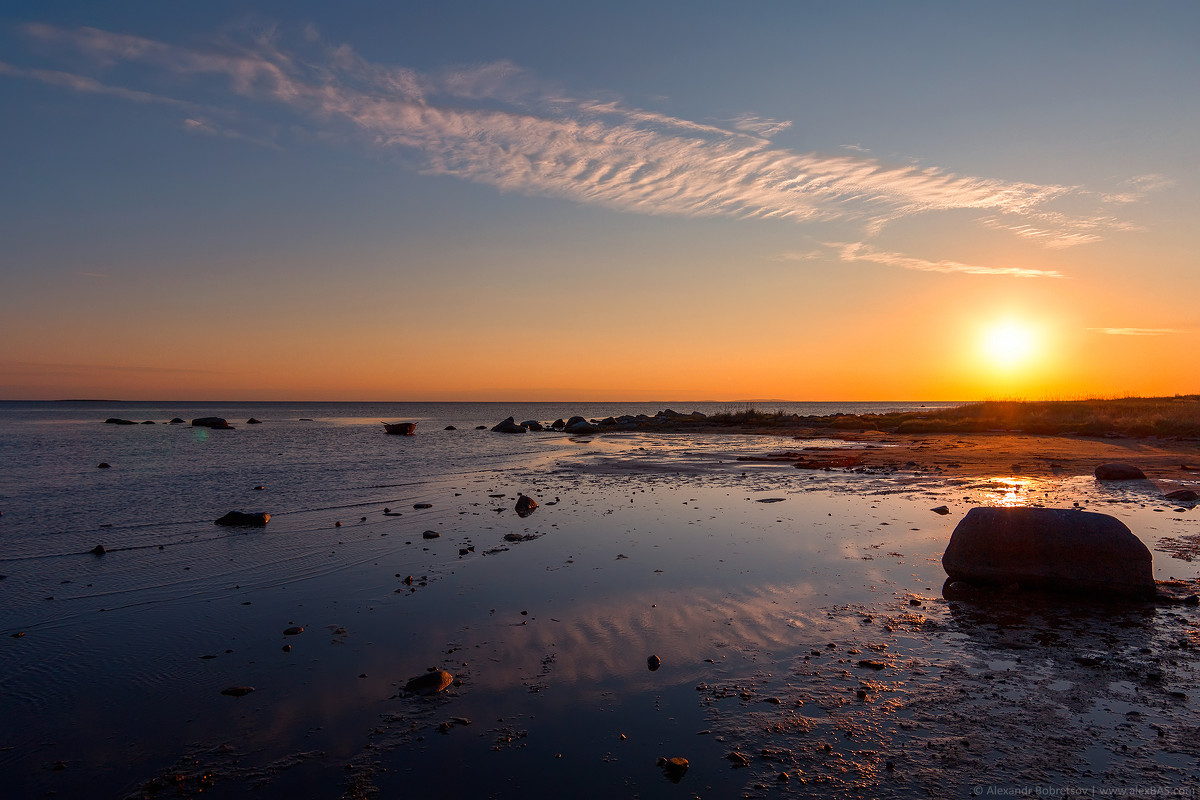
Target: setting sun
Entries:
(1009, 344)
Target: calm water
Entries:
(171, 481)
(644, 543)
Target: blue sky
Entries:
(316, 183)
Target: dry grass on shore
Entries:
(1177, 416)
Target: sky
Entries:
(414, 201)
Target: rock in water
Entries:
(253, 421)
(1064, 550)
(1119, 472)
(653, 663)
(430, 682)
(1183, 495)
(118, 421)
(509, 426)
(176, 421)
(210, 422)
(532, 425)
(525, 506)
(241, 519)
(237, 691)
(674, 768)
(98, 550)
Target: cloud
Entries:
(858, 251)
(499, 125)
(1138, 188)
(760, 126)
(1135, 331)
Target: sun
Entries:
(1009, 344)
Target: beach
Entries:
(803, 642)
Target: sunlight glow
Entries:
(1009, 344)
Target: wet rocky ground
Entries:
(804, 647)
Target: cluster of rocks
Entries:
(578, 425)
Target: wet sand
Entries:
(796, 613)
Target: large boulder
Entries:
(1060, 549)
(532, 425)
(582, 426)
(1119, 472)
(210, 422)
(509, 426)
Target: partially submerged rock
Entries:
(525, 506)
(1119, 472)
(237, 691)
(1065, 550)
(532, 425)
(218, 423)
(241, 519)
(509, 426)
(400, 428)
(118, 421)
(674, 768)
(1183, 495)
(430, 683)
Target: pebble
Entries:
(98, 550)
(422, 505)
(653, 663)
(430, 535)
(237, 691)
(293, 631)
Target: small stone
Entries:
(287, 648)
(104, 465)
(422, 505)
(673, 768)
(431, 535)
(653, 663)
(295, 630)
(430, 683)
(237, 691)
(98, 550)
(861, 694)
(738, 759)
(943, 510)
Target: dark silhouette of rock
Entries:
(1119, 472)
(943, 510)
(253, 421)
(1064, 550)
(149, 422)
(431, 535)
(117, 421)
(104, 465)
(532, 425)
(481, 427)
(509, 426)
(674, 768)
(98, 550)
(237, 691)
(422, 505)
(430, 683)
(295, 630)
(400, 428)
(450, 428)
(558, 423)
(525, 506)
(1183, 495)
(240, 519)
(577, 425)
(216, 423)
(176, 421)
(653, 663)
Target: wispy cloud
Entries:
(859, 251)
(1137, 188)
(1135, 331)
(499, 125)
(760, 126)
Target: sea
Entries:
(666, 600)
(168, 481)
